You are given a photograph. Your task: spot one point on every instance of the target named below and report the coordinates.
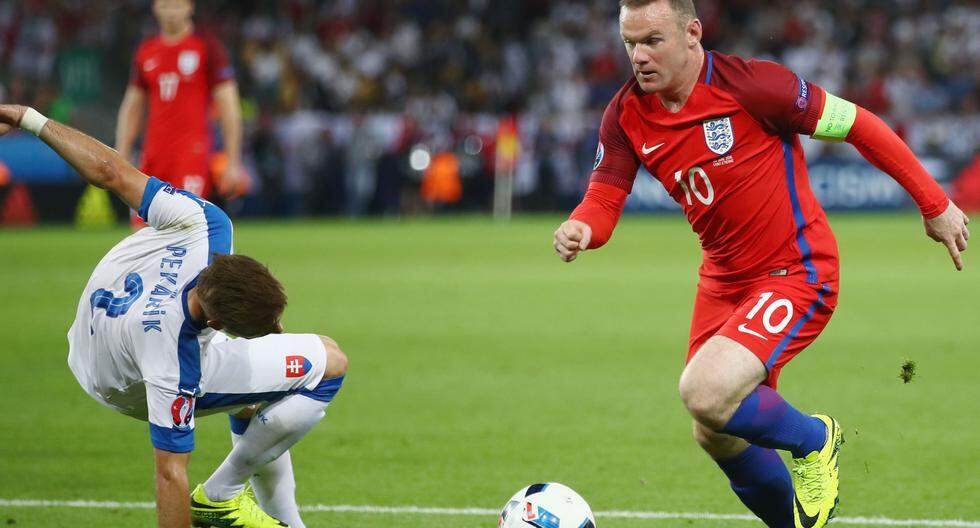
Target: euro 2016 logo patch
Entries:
(599, 153)
(182, 411)
(719, 136)
(297, 366)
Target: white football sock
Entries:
(271, 432)
(275, 489)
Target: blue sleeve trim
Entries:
(153, 186)
(170, 439)
(219, 226)
(219, 231)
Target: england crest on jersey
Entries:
(719, 136)
(188, 61)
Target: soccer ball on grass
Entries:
(549, 505)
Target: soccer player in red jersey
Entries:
(179, 73)
(721, 133)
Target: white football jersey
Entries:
(133, 346)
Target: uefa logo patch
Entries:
(718, 135)
(804, 97)
(599, 153)
(182, 411)
(297, 366)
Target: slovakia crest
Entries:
(188, 61)
(297, 366)
(719, 136)
(182, 412)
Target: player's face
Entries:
(657, 43)
(173, 15)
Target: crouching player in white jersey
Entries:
(145, 343)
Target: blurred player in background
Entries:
(145, 343)
(722, 135)
(180, 72)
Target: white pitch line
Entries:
(34, 503)
(421, 510)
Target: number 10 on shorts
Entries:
(775, 317)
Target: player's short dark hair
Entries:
(240, 293)
(684, 8)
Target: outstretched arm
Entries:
(98, 164)
(944, 222)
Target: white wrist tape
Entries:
(33, 121)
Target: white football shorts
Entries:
(236, 372)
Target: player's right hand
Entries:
(950, 229)
(571, 238)
(10, 116)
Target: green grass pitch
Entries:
(480, 363)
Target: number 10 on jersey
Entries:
(692, 185)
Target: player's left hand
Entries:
(950, 229)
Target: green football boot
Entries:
(241, 511)
(816, 480)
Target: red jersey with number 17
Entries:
(178, 78)
(731, 157)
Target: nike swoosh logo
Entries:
(744, 330)
(806, 521)
(647, 151)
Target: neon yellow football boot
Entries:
(816, 480)
(241, 511)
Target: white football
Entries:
(549, 505)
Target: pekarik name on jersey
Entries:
(169, 272)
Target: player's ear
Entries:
(217, 325)
(694, 32)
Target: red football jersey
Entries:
(731, 157)
(178, 79)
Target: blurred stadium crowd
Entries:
(350, 106)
